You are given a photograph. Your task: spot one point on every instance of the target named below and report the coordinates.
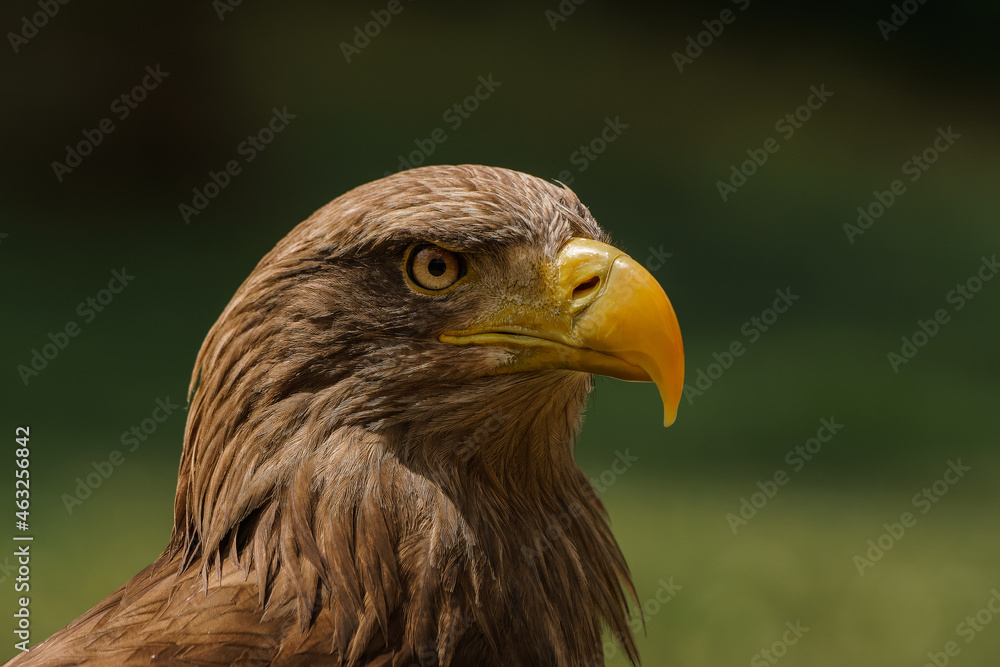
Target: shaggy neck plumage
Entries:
(461, 523)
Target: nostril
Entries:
(586, 286)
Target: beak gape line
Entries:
(603, 314)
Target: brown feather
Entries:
(379, 499)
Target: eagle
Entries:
(378, 464)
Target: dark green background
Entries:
(654, 186)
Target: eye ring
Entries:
(432, 268)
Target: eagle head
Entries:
(382, 420)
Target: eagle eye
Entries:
(433, 268)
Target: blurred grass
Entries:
(793, 561)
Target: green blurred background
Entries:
(654, 188)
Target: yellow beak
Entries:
(602, 313)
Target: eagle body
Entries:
(378, 463)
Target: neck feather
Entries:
(416, 536)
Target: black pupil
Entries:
(436, 266)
